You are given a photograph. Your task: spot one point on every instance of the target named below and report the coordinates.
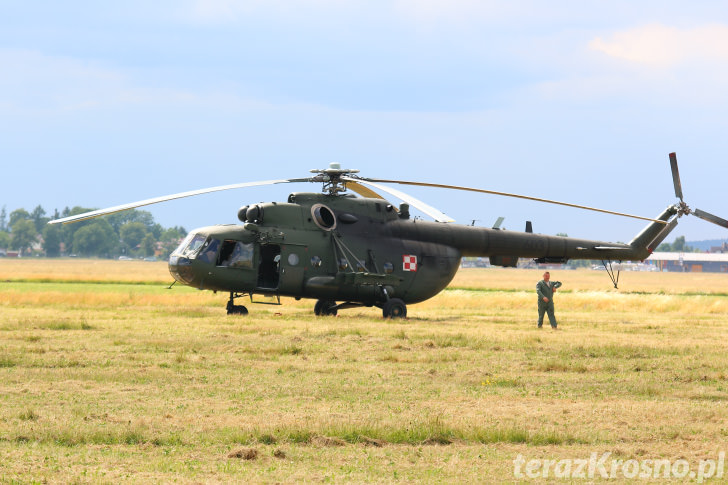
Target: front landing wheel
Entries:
(394, 308)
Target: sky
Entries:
(103, 103)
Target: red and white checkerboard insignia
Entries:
(409, 262)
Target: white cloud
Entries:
(663, 46)
(436, 11)
(429, 14)
(220, 10)
(34, 81)
(649, 67)
(227, 11)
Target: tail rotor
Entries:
(683, 208)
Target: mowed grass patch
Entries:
(129, 382)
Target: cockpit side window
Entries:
(185, 242)
(236, 254)
(190, 246)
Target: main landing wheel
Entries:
(237, 310)
(325, 308)
(394, 308)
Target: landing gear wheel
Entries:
(394, 308)
(237, 310)
(232, 308)
(325, 308)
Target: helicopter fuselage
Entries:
(317, 246)
(360, 250)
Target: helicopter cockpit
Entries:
(203, 250)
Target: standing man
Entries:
(545, 290)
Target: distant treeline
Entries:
(129, 233)
(677, 246)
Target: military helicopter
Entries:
(346, 251)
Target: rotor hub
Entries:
(332, 178)
(683, 209)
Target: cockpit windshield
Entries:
(189, 247)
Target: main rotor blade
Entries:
(363, 191)
(676, 176)
(711, 218)
(507, 194)
(427, 209)
(156, 200)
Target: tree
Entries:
(39, 219)
(4, 239)
(3, 219)
(18, 215)
(132, 233)
(52, 240)
(23, 234)
(170, 239)
(95, 239)
(678, 246)
(157, 230)
(122, 218)
(148, 244)
(69, 230)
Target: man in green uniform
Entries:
(545, 290)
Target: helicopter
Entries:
(346, 251)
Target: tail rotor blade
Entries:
(711, 218)
(676, 176)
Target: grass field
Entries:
(107, 376)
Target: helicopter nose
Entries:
(180, 269)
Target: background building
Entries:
(690, 262)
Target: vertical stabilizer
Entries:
(656, 232)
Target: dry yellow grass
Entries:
(79, 270)
(133, 382)
(586, 280)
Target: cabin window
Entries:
(236, 254)
(208, 252)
